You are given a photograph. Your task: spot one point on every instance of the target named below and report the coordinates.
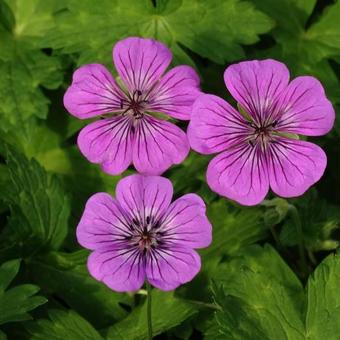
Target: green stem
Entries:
(148, 289)
(297, 221)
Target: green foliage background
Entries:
(262, 278)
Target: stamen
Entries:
(135, 105)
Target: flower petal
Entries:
(215, 125)
(166, 269)
(240, 174)
(307, 111)
(256, 85)
(103, 223)
(295, 166)
(140, 62)
(108, 142)
(93, 92)
(121, 269)
(186, 224)
(143, 196)
(176, 93)
(158, 145)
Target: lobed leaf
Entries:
(40, 208)
(16, 302)
(63, 325)
(167, 312)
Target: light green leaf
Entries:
(23, 67)
(261, 290)
(31, 20)
(196, 24)
(261, 298)
(17, 301)
(323, 310)
(167, 312)
(63, 325)
(66, 275)
(40, 208)
(325, 33)
(21, 79)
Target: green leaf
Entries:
(233, 228)
(322, 315)
(261, 298)
(23, 67)
(66, 275)
(189, 177)
(20, 88)
(264, 295)
(305, 50)
(167, 312)
(40, 208)
(30, 20)
(63, 325)
(325, 33)
(17, 301)
(195, 24)
(319, 221)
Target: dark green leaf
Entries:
(63, 325)
(66, 275)
(319, 222)
(16, 302)
(40, 208)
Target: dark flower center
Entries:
(147, 240)
(262, 133)
(135, 104)
(145, 234)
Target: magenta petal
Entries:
(108, 142)
(215, 125)
(186, 223)
(166, 269)
(257, 84)
(93, 92)
(239, 174)
(295, 165)
(158, 145)
(176, 92)
(143, 196)
(103, 223)
(140, 62)
(121, 269)
(307, 111)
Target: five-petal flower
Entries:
(128, 132)
(258, 145)
(142, 235)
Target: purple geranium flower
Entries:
(129, 133)
(258, 145)
(140, 235)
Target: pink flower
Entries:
(128, 133)
(257, 147)
(141, 235)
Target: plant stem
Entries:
(148, 289)
(297, 221)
